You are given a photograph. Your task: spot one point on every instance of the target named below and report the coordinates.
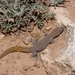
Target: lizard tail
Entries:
(16, 49)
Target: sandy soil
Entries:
(70, 6)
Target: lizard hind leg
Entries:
(34, 54)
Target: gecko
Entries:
(39, 46)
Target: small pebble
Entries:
(1, 35)
(27, 38)
(48, 27)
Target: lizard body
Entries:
(39, 46)
(42, 44)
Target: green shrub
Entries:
(15, 14)
(56, 2)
